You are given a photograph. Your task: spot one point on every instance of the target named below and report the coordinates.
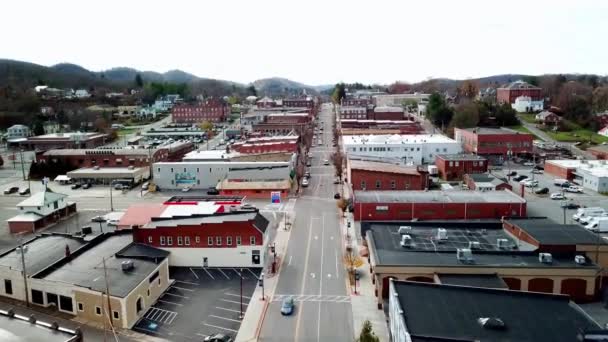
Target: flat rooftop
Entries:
(492, 131)
(396, 139)
(492, 281)
(437, 196)
(259, 221)
(460, 157)
(598, 168)
(382, 167)
(107, 172)
(434, 312)
(226, 184)
(207, 155)
(86, 270)
(548, 232)
(427, 250)
(67, 135)
(18, 329)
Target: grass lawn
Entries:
(523, 129)
(126, 131)
(527, 117)
(582, 135)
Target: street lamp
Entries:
(261, 283)
(111, 200)
(241, 312)
(509, 155)
(100, 220)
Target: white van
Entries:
(598, 224)
(582, 212)
(586, 219)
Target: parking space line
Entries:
(218, 327)
(186, 282)
(172, 317)
(212, 277)
(232, 301)
(182, 288)
(238, 274)
(191, 270)
(228, 319)
(167, 302)
(236, 295)
(225, 275)
(250, 271)
(176, 295)
(231, 310)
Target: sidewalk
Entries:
(251, 325)
(364, 302)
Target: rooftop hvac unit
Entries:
(86, 230)
(580, 259)
(474, 245)
(96, 167)
(406, 240)
(131, 167)
(545, 258)
(405, 230)
(127, 265)
(502, 243)
(442, 234)
(464, 255)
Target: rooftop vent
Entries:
(127, 265)
(406, 240)
(474, 245)
(545, 258)
(442, 234)
(502, 243)
(405, 230)
(493, 323)
(464, 255)
(580, 259)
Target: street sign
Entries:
(275, 197)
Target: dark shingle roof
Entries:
(548, 232)
(476, 280)
(452, 312)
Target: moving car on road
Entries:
(570, 205)
(542, 191)
(305, 182)
(325, 162)
(24, 191)
(218, 338)
(574, 189)
(287, 306)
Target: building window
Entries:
(210, 241)
(180, 240)
(229, 240)
(150, 239)
(457, 163)
(115, 314)
(162, 240)
(393, 185)
(238, 240)
(197, 239)
(363, 185)
(218, 240)
(98, 311)
(8, 286)
(187, 240)
(170, 240)
(378, 184)
(80, 307)
(252, 240)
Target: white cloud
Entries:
(312, 41)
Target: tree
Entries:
(438, 111)
(38, 128)
(339, 93)
(252, 91)
(139, 82)
(505, 115)
(337, 159)
(367, 334)
(399, 88)
(575, 100)
(206, 126)
(600, 99)
(469, 89)
(465, 116)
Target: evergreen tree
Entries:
(367, 334)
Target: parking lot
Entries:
(201, 302)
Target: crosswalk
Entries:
(312, 298)
(160, 315)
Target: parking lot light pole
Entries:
(111, 200)
(241, 276)
(262, 284)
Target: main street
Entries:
(312, 270)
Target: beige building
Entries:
(67, 272)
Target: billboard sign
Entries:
(275, 197)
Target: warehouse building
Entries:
(415, 149)
(454, 166)
(418, 312)
(590, 174)
(371, 175)
(64, 140)
(436, 205)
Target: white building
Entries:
(590, 174)
(398, 100)
(412, 149)
(82, 94)
(17, 132)
(206, 175)
(524, 104)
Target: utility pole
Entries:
(27, 295)
(111, 200)
(105, 274)
(103, 309)
(241, 276)
(22, 167)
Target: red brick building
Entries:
(64, 140)
(368, 175)
(232, 239)
(288, 118)
(266, 102)
(563, 169)
(513, 90)
(211, 110)
(353, 112)
(286, 143)
(254, 189)
(436, 205)
(494, 143)
(455, 166)
(307, 102)
(387, 113)
(279, 128)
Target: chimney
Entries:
(67, 251)
(522, 190)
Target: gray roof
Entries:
(489, 131)
(40, 199)
(433, 312)
(385, 245)
(86, 270)
(547, 232)
(437, 196)
(460, 156)
(486, 178)
(41, 252)
(519, 84)
(259, 221)
(492, 281)
(100, 152)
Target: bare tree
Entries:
(337, 159)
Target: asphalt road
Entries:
(312, 270)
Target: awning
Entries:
(62, 178)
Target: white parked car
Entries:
(530, 183)
(574, 188)
(528, 164)
(326, 162)
(557, 196)
(186, 189)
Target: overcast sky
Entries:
(314, 42)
